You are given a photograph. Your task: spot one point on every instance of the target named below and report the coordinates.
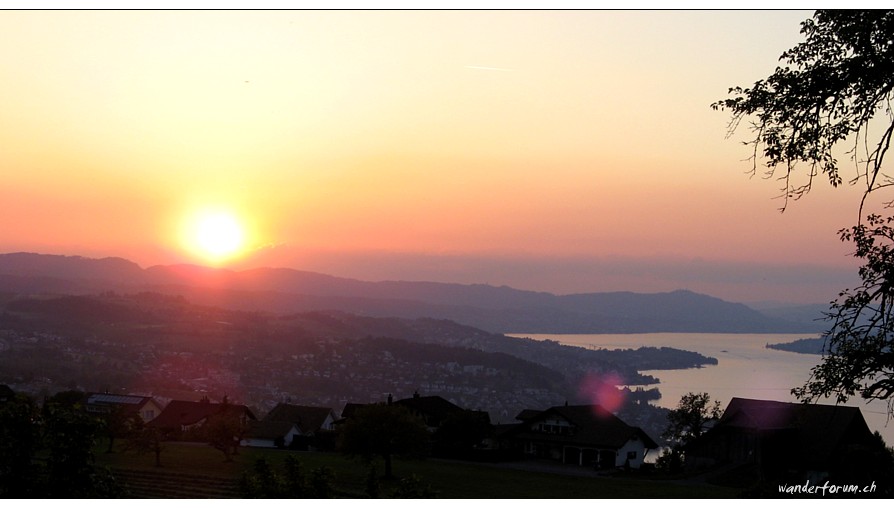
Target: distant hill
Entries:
(810, 346)
(27, 264)
(496, 309)
(812, 314)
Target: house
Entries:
(348, 411)
(104, 403)
(585, 435)
(455, 432)
(807, 441)
(291, 425)
(309, 419)
(264, 434)
(434, 410)
(182, 415)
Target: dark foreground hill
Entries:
(497, 309)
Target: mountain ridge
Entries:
(494, 308)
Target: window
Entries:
(631, 455)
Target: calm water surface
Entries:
(746, 368)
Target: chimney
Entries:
(390, 399)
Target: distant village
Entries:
(332, 365)
(265, 361)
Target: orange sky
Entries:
(560, 151)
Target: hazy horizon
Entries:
(560, 151)
(713, 279)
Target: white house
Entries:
(267, 434)
(587, 435)
(290, 425)
(103, 403)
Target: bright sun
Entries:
(215, 235)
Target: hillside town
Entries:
(163, 346)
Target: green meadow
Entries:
(185, 465)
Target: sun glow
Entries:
(215, 235)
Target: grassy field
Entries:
(448, 479)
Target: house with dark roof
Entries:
(104, 403)
(309, 419)
(434, 410)
(585, 435)
(291, 425)
(455, 432)
(785, 439)
(264, 434)
(349, 410)
(182, 415)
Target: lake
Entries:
(746, 368)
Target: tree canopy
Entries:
(384, 430)
(48, 451)
(832, 96)
(689, 419)
(830, 91)
(225, 429)
(858, 356)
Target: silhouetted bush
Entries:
(263, 482)
(411, 487)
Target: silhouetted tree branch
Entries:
(835, 89)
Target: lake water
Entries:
(746, 368)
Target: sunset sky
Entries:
(560, 151)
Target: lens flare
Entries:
(602, 389)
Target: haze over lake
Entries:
(746, 367)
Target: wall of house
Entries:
(255, 442)
(634, 446)
(149, 411)
(552, 426)
(290, 436)
(270, 443)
